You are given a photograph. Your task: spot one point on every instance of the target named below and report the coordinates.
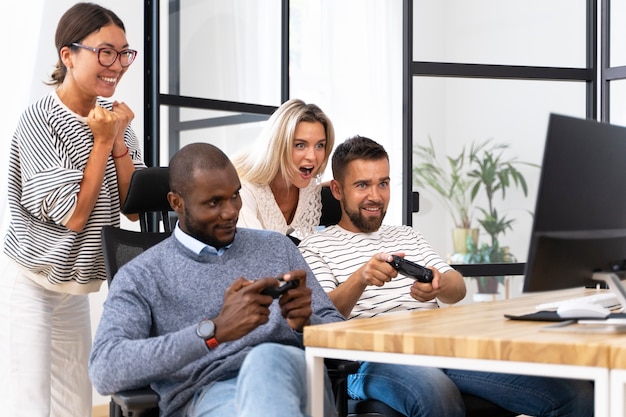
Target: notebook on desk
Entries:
(586, 327)
(546, 315)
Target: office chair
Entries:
(147, 196)
(339, 370)
(120, 246)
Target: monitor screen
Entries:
(579, 225)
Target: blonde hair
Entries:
(271, 152)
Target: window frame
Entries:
(597, 82)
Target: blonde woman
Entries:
(280, 174)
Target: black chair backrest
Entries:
(331, 209)
(120, 246)
(147, 194)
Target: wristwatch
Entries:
(206, 330)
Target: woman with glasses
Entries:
(70, 163)
(280, 188)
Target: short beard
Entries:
(202, 237)
(365, 225)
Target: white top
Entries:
(260, 210)
(335, 253)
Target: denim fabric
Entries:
(271, 382)
(422, 391)
(531, 395)
(412, 390)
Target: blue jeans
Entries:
(531, 395)
(271, 382)
(412, 390)
(421, 391)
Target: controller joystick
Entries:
(285, 286)
(411, 269)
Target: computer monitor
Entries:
(579, 226)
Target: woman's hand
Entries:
(104, 125)
(125, 116)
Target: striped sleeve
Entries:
(334, 254)
(415, 247)
(48, 154)
(318, 265)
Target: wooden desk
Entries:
(473, 337)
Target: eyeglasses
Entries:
(108, 56)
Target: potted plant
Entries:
(492, 173)
(451, 185)
(486, 253)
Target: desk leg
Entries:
(618, 387)
(315, 384)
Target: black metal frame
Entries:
(242, 112)
(461, 70)
(247, 112)
(151, 82)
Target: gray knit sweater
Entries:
(147, 333)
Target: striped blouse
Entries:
(48, 154)
(335, 253)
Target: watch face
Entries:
(206, 328)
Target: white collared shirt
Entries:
(195, 245)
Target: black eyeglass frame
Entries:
(132, 54)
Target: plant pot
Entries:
(459, 238)
(487, 285)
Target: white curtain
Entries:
(347, 58)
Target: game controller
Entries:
(411, 269)
(285, 286)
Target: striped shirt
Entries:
(48, 155)
(334, 254)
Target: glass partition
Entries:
(617, 33)
(618, 102)
(486, 76)
(456, 114)
(345, 55)
(225, 50)
(529, 32)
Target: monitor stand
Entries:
(614, 283)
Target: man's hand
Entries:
(427, 291)
(295, 304)
(449, 287)
(244, 309)
(377, 271)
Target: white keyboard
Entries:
(605, 299)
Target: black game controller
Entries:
(411, 269)
(276, 292)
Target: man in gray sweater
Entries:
(188, 316)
